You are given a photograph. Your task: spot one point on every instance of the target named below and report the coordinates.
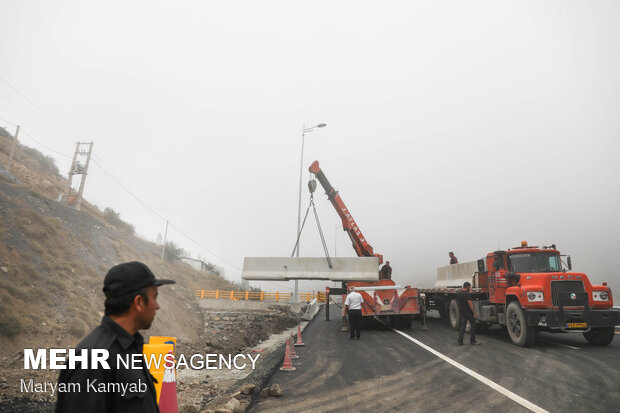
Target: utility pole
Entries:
(77, 168)
(163, 248)
(8, 168)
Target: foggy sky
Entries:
(452, 126)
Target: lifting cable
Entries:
(334, 302)
(312, 187)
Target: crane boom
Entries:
(360, 245)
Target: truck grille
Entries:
(558, 287)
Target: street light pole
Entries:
(301, 169)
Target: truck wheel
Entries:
(455, 315)
(600, 336)
(520, 333)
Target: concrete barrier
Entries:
(455, 275)
(293, 268)
(232, 305)
(313, 308)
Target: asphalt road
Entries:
(387, 371)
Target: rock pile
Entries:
(230, 332)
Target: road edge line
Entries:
(523, 402)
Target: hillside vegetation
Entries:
(53, 260)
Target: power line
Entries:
(33, 115)
(98, 162)
(66, 128)
(7, 122)
(203, 247)
(36, 140)
(45, 146)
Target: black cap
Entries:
(126, 278)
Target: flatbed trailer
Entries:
(527, 289)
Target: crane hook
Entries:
(312, 185)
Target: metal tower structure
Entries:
(79, 166)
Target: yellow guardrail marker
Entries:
(156, 368)
(255, 295)
(159, 346)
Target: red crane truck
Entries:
(528, 289)
(382, 298)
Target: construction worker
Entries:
(353, 308)
(453, 259)
(131, 303)
(386, 272)
(468, 313)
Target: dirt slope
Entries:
(53, 260)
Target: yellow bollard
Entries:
(165, 340)
(153, 352)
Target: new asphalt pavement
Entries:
(412, 370)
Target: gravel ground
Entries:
(196, 389)
(213, 388)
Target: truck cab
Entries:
(531, 289)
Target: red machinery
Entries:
(381, 298)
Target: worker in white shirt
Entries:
(353, 308)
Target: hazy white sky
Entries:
(464, 126)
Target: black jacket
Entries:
(116, 390)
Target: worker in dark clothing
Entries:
(453, 259)
(386, 272)
(466, 309)
(130, 305)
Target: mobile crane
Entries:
(382, 298)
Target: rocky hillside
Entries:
(53, 260)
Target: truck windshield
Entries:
(535, 262)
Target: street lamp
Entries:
(301, 168)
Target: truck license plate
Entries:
(577, 325)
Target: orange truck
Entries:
(527, 289)
(382, 298)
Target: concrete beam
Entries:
(294, 268)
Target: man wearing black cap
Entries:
(130, 305)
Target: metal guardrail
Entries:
(256, 295)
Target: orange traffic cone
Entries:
(288, 364)
(299, 340)
(293, 352)
(168, 399)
